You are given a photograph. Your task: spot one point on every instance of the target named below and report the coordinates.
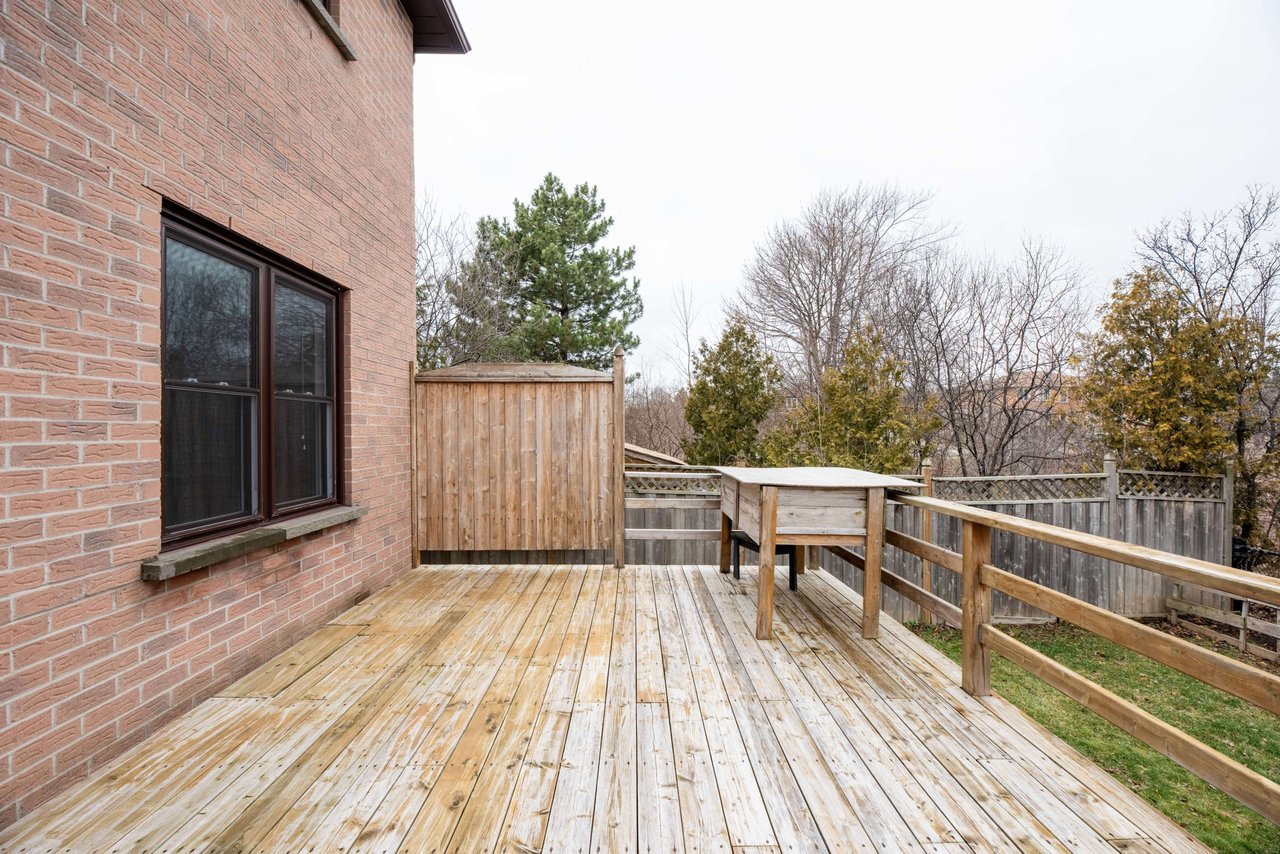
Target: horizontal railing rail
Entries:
(1247, 618)
(1212, 575)
(980, 578)
(995, 478)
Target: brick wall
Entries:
(246, 113)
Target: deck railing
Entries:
(684, 488)
(980, 637)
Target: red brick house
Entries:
(206, 331)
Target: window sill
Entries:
(330, 27)
(181, 561)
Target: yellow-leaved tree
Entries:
(858, 418)
(1160, 379)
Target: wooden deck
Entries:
(587, 708)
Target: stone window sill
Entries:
(330, 27)
(180, 561)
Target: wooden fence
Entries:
(1183, 514)
(518, 459)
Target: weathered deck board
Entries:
(590, 709)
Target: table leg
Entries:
(871, 571)
(800, 558)
(726, 529)
(764, 579)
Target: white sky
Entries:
(704, 123)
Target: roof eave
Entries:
(436, 28)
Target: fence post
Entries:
(1110, 469)
(926, 534)
(1115, 571)
(1229, 522)
(975, 604)
(620, 462)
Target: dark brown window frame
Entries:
(206, 236)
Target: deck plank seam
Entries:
(422, 644)
(489, 615)
(503, 658)
(697, 629)
(502, 819)
(733, 654)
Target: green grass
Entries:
(1238, 729)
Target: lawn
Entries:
(1238, 729)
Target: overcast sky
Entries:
(704, 123)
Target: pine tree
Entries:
(572, 301)
(858, 417)
(735, 385)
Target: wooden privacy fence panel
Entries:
(517, 457)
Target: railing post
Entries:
(975, 605)
(620, 461)
(926, 534)
(1229, 522)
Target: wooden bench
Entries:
(742, 541)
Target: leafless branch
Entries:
(463, 300)
(655, 414)
(1226, 262)
(992, 343)
(816, 276)
(687, 312)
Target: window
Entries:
(249, 425)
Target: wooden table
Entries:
(811, 506)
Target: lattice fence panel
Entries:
(1035, 488)
(654, 483)
(1187, 487)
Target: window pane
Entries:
(208, 318)
(209, 457)
(302, 335)
(303, 450)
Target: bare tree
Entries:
(654, 416)
(992, 344)
(463, 299)
(683, 346)
(1226, 262)
(1227, 265)
(816, 276)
